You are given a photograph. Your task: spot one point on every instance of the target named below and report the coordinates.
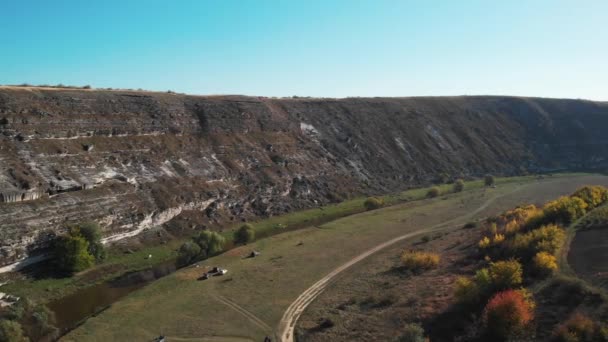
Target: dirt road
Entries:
(294, 311)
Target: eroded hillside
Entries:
(134, 160)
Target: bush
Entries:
(488, 180)
(188, 253)
(433, 192)
(476, 290)
(578, 328)
(506, 274)
(458, 185)
(564, 209)
(71, 254)
(210, 243)
(37, 320)
(507, 314)
(419, 260)
(544, 263)
(372, 203)
(412, 332)
(465, 290)
(487, 242)
(11, 331)
(245, 234)
(547, 238)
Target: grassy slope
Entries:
(413, 299)
(180, 306)
(117, 263)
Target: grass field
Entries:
(249, 301)
(44, 289)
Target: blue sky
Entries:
(331, 48)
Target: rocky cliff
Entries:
(134, 160)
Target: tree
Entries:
(488, 180)
(90, 231)
(507, 314)
(211, 243)
(71, 254)
(372, 203)
(245, 234)
(458, 185)
(11, 331)
(189, 252)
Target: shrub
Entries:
(42, 324)
(372, 203)
(484, 243)
(210, 243)
(475, 290)
(507, 314)
(488, 180)
(245, 234)
(487, 242)
(71, 254)
(433, 192)
(412, 332)
(11, 331)
(188, 253)
(419, 260)
(564, 209)
(544, 263)
(37, 320)
(506, 274)
(578, 328)
(458, 185)
(547, 238)
(465, 290)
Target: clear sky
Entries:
(330, 48)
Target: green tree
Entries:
(245, 234)
(11, 331)
(72, 254)
(189, 252)
(211, 243)
(90, 231)
(458, 185)
(488, 180)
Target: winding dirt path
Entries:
(250, 316)
(294, 311)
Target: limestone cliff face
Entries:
(133, 160)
